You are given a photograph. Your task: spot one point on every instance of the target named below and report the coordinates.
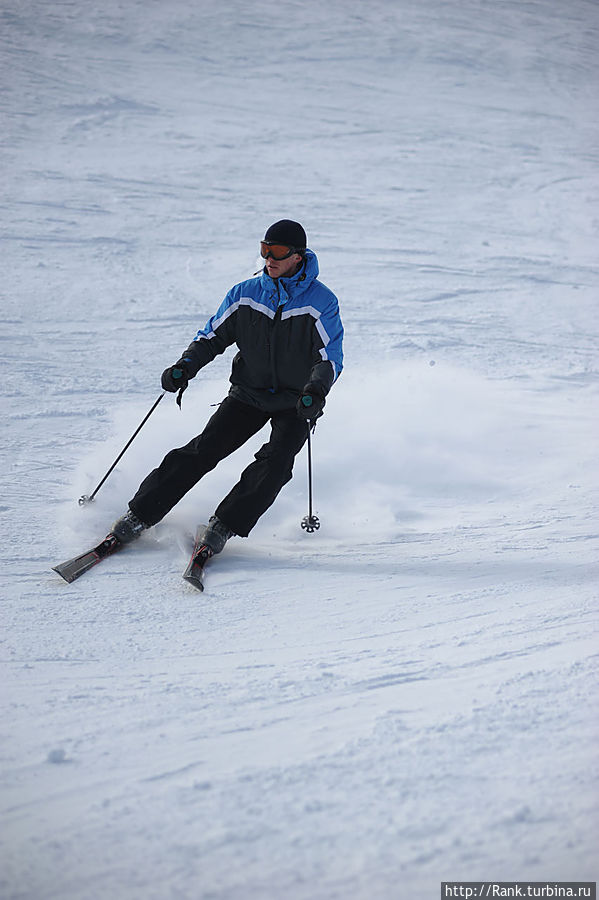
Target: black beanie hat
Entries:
(287, 232)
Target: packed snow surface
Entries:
(408, 695)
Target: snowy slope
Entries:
(409, 695)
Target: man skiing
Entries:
(288, 332)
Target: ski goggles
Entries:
(277, 251)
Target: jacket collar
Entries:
(295, 284)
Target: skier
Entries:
(288, 332)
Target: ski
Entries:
(73, 568)
(78, 565)
(194, 573)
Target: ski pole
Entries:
(310, 522)
(88, 499)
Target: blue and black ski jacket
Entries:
(288, 333)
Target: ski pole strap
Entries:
(180, 395)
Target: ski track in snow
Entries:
(409, 695)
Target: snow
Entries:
(408, 695)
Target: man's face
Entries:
(282, 268)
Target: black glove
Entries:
(311, 403)
(175, 378)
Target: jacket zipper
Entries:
(273, 359)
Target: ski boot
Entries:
(216, 535)
(128, 528)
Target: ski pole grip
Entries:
(306, 400)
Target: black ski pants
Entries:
(228, 429)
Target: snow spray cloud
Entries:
(399, 447)
(400, 442)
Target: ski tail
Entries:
(194, 573)
(73, 568)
